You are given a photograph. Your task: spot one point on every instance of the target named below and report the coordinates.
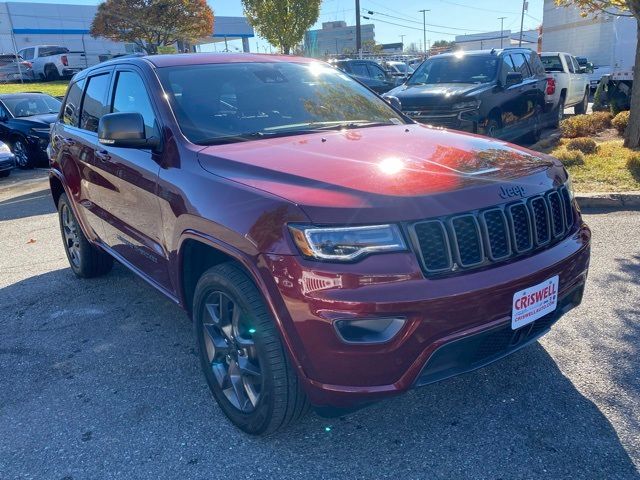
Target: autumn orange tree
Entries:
(629, 8)
(153, 23)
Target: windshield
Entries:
(552, 63)
(222, 103)
(32, 105)
(456, 69)
(401, 67)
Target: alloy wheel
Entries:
(21, 154)
(231, 351)
(71, 237)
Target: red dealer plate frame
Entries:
(534, 302)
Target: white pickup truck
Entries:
(567, 85)
(52, 62)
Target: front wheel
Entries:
(241, 354)
(85, 260)
(21, 152)
(492, 128)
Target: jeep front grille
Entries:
(488, 236)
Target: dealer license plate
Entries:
(534, 302)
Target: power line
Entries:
(407, 26)
(420, 23)
(478, 8)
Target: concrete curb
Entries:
(617, 200)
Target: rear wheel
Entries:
(534, 135)
(51, 73)
(242, 356)
(581, 108)
(85, 260)
(559, 113)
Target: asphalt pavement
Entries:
(99, 380)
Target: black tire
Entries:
(581, 108)
(492, 129)
(279, 400)
(51, 73)
(22, 152)
(559, 113)
(86, 260)
(536, 131)
(5, 173)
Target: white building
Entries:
(504, 39)
(565, 30)
(68, 26)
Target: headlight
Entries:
(4, 148)
(346, 243)
(471, 104)
(41, 131)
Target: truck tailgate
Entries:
(76, 60)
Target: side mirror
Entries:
(394, 102)
(513, 78)
(124, 130)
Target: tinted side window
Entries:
(376, 72)
(567, 59)
(360, 70)
(71, 109)
(131, 96)
(520, 64)
(93, 104)
(536, 64)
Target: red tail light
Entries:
(64, 60)
(551, 86)
(26, 64)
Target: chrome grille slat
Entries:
(481, 238)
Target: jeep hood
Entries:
(378, 174)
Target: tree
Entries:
(153, 23)
(370, 46)
(443, 44)
(282, 22)
(629, 8)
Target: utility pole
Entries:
(524, 8)
(501, 29)
(424, 29)
(15, 47)
(358, 33)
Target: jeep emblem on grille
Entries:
(510, 192)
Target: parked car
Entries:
(398, 69)
(571, 84)
(599, 71)
(368, 72)
(329, 250)
(15, 69)
(498, 93)
(7, 160)
(25, 120)
(52, 62)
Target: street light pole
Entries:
(524, 7)
(501, 29)
(424, 29)
(358, 34)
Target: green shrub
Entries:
(633, 165)
(620, 121)
(582, 144)
(570, 157)
(584, 125)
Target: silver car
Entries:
(13, 69)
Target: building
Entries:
(68, 26)
(504, 39)
(564, 29)
(335, 38)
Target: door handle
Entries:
(102, 155)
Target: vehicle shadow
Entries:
(105, 371)
(27, 205)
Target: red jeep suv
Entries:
(330, 251)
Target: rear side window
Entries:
(520, 64)
(48, 51)
(93, 105)
(359, 70)
(376, 72)
(131, 96)
(71, 109)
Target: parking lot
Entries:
(99, 379)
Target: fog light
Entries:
(368, 330)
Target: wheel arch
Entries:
(496, 114)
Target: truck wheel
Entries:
(85, 260)
(534, 134)
(241, 354)
(581, 108)
(51, 73)
(559, 113)
(492, 128)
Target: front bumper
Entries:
(466, 121)
(438, 311)
(7, 162)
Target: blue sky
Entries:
(448, 17)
